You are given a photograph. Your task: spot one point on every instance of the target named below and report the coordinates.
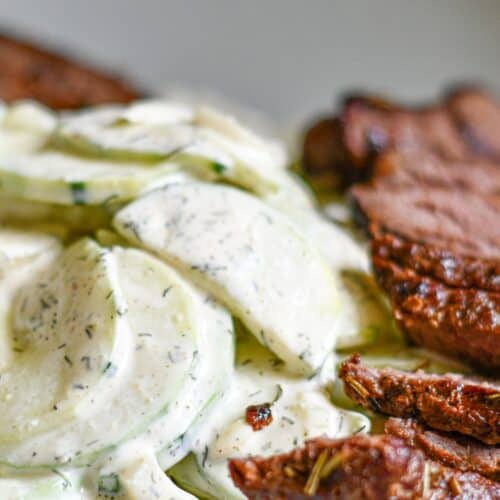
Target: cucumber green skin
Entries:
(74, 143)
(189, 476)
(91, 192)
(205, 168)
(224, 364)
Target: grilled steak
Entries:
(449, 403)
(464, 126)
(398, 168)
(31, 72)
(460, 322)
(477, 116)
(358, 467)
(454, 450)
(436, 252)
(438, 262)
(462, 222)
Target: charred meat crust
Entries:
(355, 468)
(437, 262)
(451, 449)
(460, 322)
(436, 252)
(450, 403)
(31, 72)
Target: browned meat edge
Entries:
(451, 449)
(460, 322)
(451, 403)
(462, 222)
(29, 71)
(355, 468)
(438, 263)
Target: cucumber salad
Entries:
(161, 272)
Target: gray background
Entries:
(287, 57)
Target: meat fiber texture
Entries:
(355, 468)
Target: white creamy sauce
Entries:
(250, 257)
(300, 410)
(117, 355)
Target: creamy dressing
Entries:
(300, 408)
(250, 257)
(117, 357)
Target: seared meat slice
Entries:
(436, 252)
(460, 322)
(451, 403)
(322, 148)
(31, 72)
(355, 468)
(372, 125)
(464, 126)
(438, 263)
(398, 168)
(462, 222)
(452, 449)
(477, 115)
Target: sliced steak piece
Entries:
(439, 263)
(32, 72)
(397, 168)
(322, 148)
(451, 403)
(371, 126)
(460, 322)
(452, 449)
(477, 115)
(355, 468)
(462, 222)
(464, 126)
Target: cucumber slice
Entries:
(366, 317)
(213, 358)
(17, 245)
(250, 257)
(53, 177)
(190, 476)
(25, 126)
(204, 141)
(150, 386)
(211, 385)
(142, 479)
(299, 409)
(61, 349)
(52, 218)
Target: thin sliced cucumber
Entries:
(61, 350)
(366, 317)
(53, 177)
(141, 479)
(152, 386)
(204, 141)
(299, 411)
(25, 126)
(62, 221)
(17, 245)
(250, 257)
(211, 385)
